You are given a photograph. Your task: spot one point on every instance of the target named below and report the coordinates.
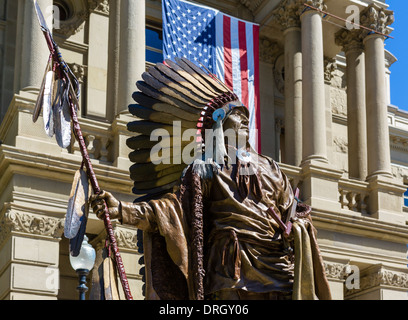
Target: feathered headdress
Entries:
(172, 92)
(179, 92)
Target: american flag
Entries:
(228, 47)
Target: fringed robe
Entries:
(215, 233)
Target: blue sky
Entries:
(399, 47)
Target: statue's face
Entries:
(239, 122)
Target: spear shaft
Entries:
(63, 72)
(97, 190)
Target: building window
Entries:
(154, 45)
(64, 10)
(406, 198)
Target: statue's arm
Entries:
(139, 214)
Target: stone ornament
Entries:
(377, 18)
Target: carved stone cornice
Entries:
(379, 276)
(32, 224)
(126, 238)
(318, 4)
(330, 66)
(286, 15)
(100, 6)
(73, 25)
(270, 50)
(80, 71)
(341, 145)
(350, 39)
(252, 5)
(376, 18)
(336, 271)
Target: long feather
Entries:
(48, 116)
(159, 117)
(153, 82)
(171, 74)
(145, 142)
(39, 102)
(77, 204)
(157, 105)
(157, 182)
(62, 115)
(139, 173)
(153, 71)
(191, 78)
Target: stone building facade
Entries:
(326, 117)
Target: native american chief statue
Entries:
(213, 228)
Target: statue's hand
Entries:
(113, 205)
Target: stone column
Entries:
(287, 16)
(379, 158)
(97, 59)
(319, 179)
(34, 51)
(269, 53)
(132, 50)
(356, 102)
(314, 109)
(113, 59)
(385, 193)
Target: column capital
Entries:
(318, 4)
(377, 19)
(270, 50)
(288, 12)
(350, 39)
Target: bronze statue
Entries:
(213, 228)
